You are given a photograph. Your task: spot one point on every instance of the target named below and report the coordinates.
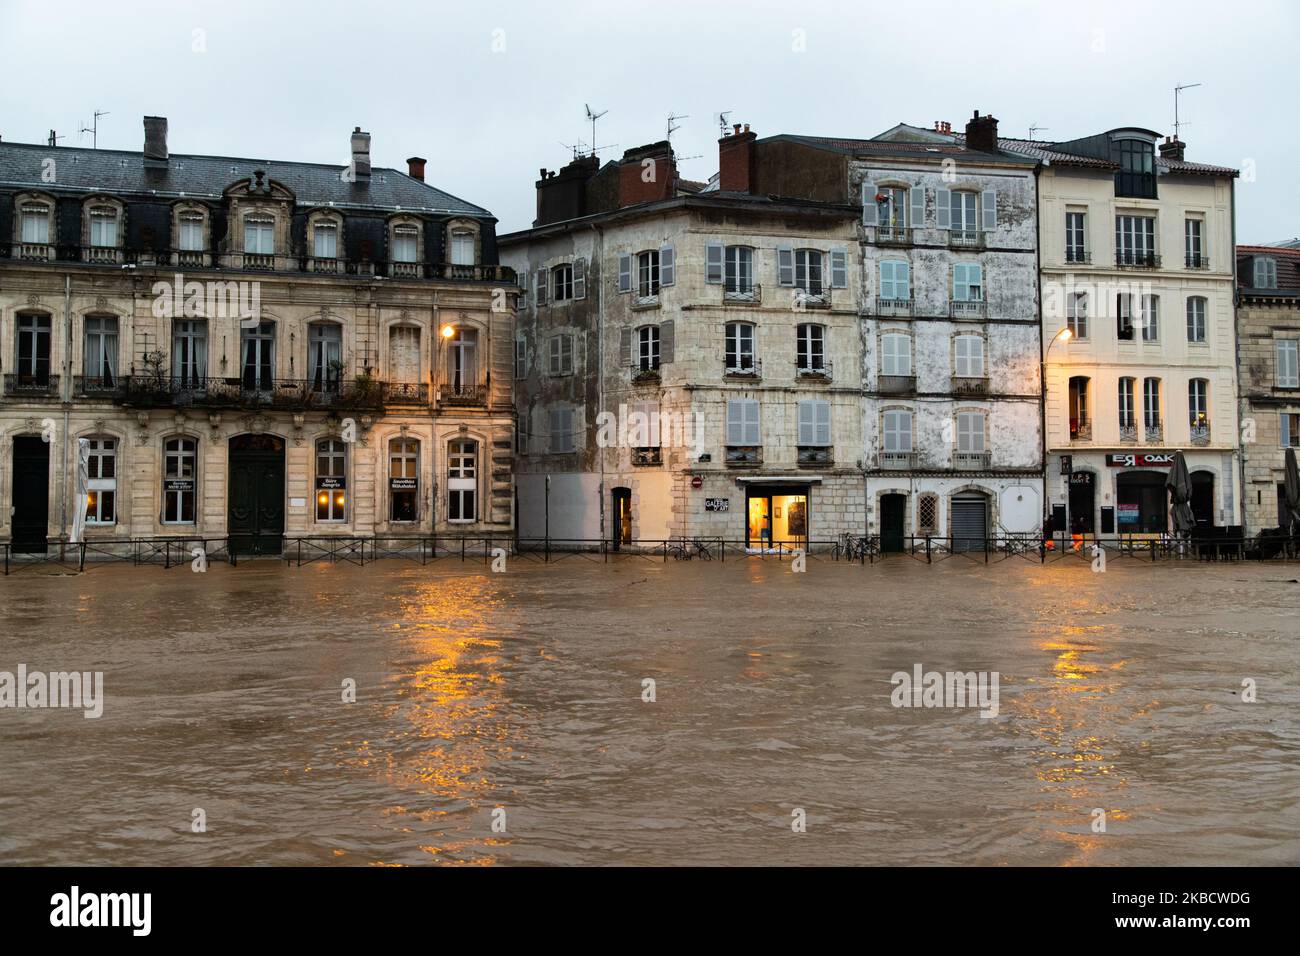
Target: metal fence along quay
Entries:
(297, 551)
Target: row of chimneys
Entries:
(155, 151)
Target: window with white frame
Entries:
(1124, 316)
(968, 356)
(743, 423)
(1198, 403)
(814, 423)
(462, 247)
(808, 271)
(100, 360)
(462, 361)
(740, 347)
(462, 481)
(191, 232)
(647, 348)
(1264, 272)
(963, 211)
(36, 223)
(1076, 315)
(562, 437)
(1150, 318)
(1135, 240)
(897, 430)
(895, 354)
(1194, 242)
(103, 226)
(1126, 407)
(891, 207)
(1151, 402)
(101, 485)
(403, 479)
(738, 269)
(647, 272)
(810, 347)
(1196, 325)
(970, 433)
(259, 235)
(1286, 371)
(179, 479)
(562, 282)
(968, 282)
(406, 243)
(561, 354)
(1075, 237)
(325, 240)
(190, 352)
(895, 280)
(331, 480)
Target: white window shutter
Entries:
(959, 282)
(625, 348)
(807, 423)
(580, 278)
(903, 280)
(713, 253)
(735, 423)
(942, 209)
(566, 354)
(751, 422)
(869, 214)
(886, 280)
(989, 206)
(917, 196)
(667, 266)
(839, 269)
(624, 272)
(823, 423)
(541, 286)
(785, 265)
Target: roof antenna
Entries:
(672, 118)
(593, 116)
(93, 129)
(722, 122)
(1177, 90)
(54, 138)
(1034, 128)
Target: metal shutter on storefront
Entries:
(969, 523)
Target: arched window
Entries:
(179, 475)
(331, 480)
(462, 480)
(403, 478)
(101, 486)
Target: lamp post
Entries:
(1062, 335)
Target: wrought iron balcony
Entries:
(896, 384)
(741, 456)
(406, 393)
(18, 385)
(1137, 260)
(971, 460)
(1201, 434)
(1128, 432)
(746, 366)
(1077, 256)
(645, 376)
(967, 308)
(464, 394)
(970, 385)
(1081, 429)
(103, 386)
(251, 392)
(897, 460)
(812, 300)
(965, 239)
(893, 236)
(819, 372)
(734, 293)
(1196, 260)
(893, 307)
(1155, 430)
(647, 456)
(815, 456)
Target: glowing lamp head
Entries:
(1066, 335)
(324, 498)
(448, 331)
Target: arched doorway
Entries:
(256, 497)
(1203, 498)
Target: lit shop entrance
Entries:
(256, 494)
(777, 515)
(622, 506)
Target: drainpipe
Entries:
(598, 256)
(1042, 366)
(65, 390)
(1240, 400)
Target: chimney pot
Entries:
(415, 167)
(736, 161)
(360, 156)
(155, 141)
(982, 133)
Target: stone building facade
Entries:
(251, 350)
(1268, 337)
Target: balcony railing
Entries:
(647, 456)
(18, 385)
(406, 393)
(814, 373)
(970, 385)
(110, 254)
(965, 239)
(251, 392)
(813, 300)
(1074, 256)
(751, 294)
(811, 456)
(259, 261)
(893, 236)
(971, 460)
(740, 456)
(966, 309)
(745, 367)
(897, 460)
(896, 384)
(645, 376)
(1137, 260)
(34, 251)
(1155, 430)
(1128, 432)
(102, 386)
(894, 307)
(451, 394)
(1080, 429)
(1201, 434)
(1196, 260)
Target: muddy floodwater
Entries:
(1119, 692)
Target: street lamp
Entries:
(1063, 335)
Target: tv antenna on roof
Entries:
(673, 125)
(1034, 128)
(1177, 90)
(722, 122)
(593, 116)
(93, 129)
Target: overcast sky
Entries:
(489, 92)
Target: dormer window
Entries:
(103, 227)
(1136, 177)
(259, 236)
(325, 240)
(36, 223)
(190, 232)
(462, 247)
(1265, 273)
(405, 240)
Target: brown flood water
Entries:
(522, 690)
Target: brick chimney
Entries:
(155, 141)
(982, 133)
(415, 167)
(647, 174)
(736, 160)
(1172, 148)
(360, 156)
(562, 195)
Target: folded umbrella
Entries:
(1179, 484)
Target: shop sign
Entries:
(1127, 514)
(717, 504)
(1140, 459)
(331, 483)
(179, 484)
(1081, 478)
(403, 484)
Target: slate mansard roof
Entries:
(123, 173)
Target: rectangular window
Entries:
(562, 437)
(895, 280)
(898, 431)
(325, 240)
(1150, 318)
(1075, 249)
(1077, 315)
(259, 236)
(1289, 423)
(970, 433)
(1126, 410)
(740, 347)
(179, 477)
(895, 354)
(739, 270)
(34, 350)
(839, 269)
(1198, 404)
(1135, 240)
(743, 423)
(1124, 317)
(325, 353)
(462, 247)
(1194, 246)
(462, 482)
(810, 347)
(191, 237)
(968, 354)
(331, 480)
(403, 478)
(100, 361)
(405, 244)
(561, 355)
(101, 486)
(190, 353)
(963, 208)
(562, 282)
(1196, 326)
(1136, 176)
(968, 282)
(648, 348)
(808, 271)
(1151, 402)
(103, 227)
(36, 224)
(814, 422)
(647, 272)
(1287, 371)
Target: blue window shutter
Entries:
(903, 280)
(918, 206)
(989, 204)
(869, 217)
(942, 209)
